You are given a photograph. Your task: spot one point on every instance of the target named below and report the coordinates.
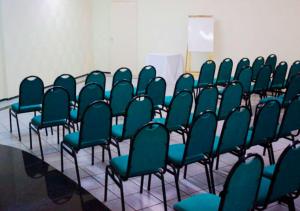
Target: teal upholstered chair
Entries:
(68, 82)
(156, 90)
(278, 80)
(95, 130)
(31, 93)
(294, 70)
(206, 100)
(198, 148)
(264, 127)
(120, 96)
(138, 113)
(55, 112)
(206, 75)
(231, 98)
(272, 61)
(145, 76)
(121, 74)
(88, 94)
(147, 155)
(184, 82)
(239, 192)
(261, 85)
(244, 78)
(97, 77)
(177, 119)
(256, 66)
(244, 62)
(280, 182)
(233, 140)
(224, 74)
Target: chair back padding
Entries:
(148, 150)
(121, 94)
(68, 82)
(206, 100)
(96, 123)
(31, 91)
(184, 82)
(224, 74)
(257, 64)
(121, 74)
(146, 75)
(293, 89)
(278, 80)
(207, 73)
(56, 105)
(97, 77)
(294, 70)
(272, 61)
(88, 94)
(244, 62)
(138, 113)
(263, 79)
(244, 78)
(156, 90)
(180, 110)
(242, 184)
(231, 98)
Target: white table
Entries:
(168, 66)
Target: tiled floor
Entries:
(92, 177)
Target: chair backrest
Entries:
(244, 62)
(96, 123)
(184, 82)
(279, 75)
(244, 78)
(121, 94)
(138, 113)
(180, 110)
(207, 73)
(31, 91)
(88, 94)
(263, 79)
(121, 74)
(286, 175)
(293, 89)
(148, 150)
(272, 61)
(56, 105)
(224, 74)
(242, 184)
(156, 90)
(230, 137)
(294, 70)
(68, 82)
(145, 76)
(257, 64)
(265, 123)
(291, 118)
(231, 98)
(207, 99)
(201, 137)
(97, 77)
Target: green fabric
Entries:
(206, 75)
(294, 70)
(68, 83)
(184, 82)
(117, 131)
(206, 100)
(263, 190)
(73, 115)
(156, 90)
(107, 94)
(196, 84)
(191, 118)
(267, 99)
(175, 154)
(207, 202)
(244, 62)
(269, 171)
(121, 95)
(17, 109)
(37, 121)
(168, 100)
(72, 140)
(293, 90)
(31, 93)
(160, 120)
(272, 60)
(145, 76)
(279, 76)
(122, 73)
(257, 64)
(97, 77)
(263, 80)
(120, 164)
(244, 78)
(224, 73)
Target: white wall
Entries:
(2, 72)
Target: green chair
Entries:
(55, 112)
(264, 127)
(294, 70)
(97, 77)
(261, 85)
(121, 95)
(68, 82)
(224, 74)
(184, 82)
(206, 100)
(145, 76)
(239, 192)
(198, 148)
(156, 90)
(231, 98)
(121, 74)
(256, 66)
(206, 75)
(95, 130)
(244, 78)
(147, 155)
(138, 113)
(177, 119)
(31, 93)
(88, 94)
(233, 138)
(272, 61)
(278, 80)
(244, 62)
(280, 182)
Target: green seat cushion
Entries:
(37, 121)
(72, 140)
(73, 115)
(117, 130)
(120, 164)
(160, 120)
(269, 171)
(168, 100)
(205, 202)
(191, 118)
(221, 90)
(175, 155)
(249, 137)
(107, 95)
(263, 190)
(30, 108)
(267, 99)
(196, 84)
(77, 98)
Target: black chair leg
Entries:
(93, 151)
(61, 157)
(208, 177)
(30, 136)
(185, 171)
(105, 185)
(217, 162)
(40, 142)
(57, 134)
(176, 175)
(18, 127)
(76, 167)
(118, 148)
(10, 123)
(164, 191)
(212, 176)
(103, 154)
(109, 152)
(142, 184)
(51, 130)
(149, 182)
(122, 195)
(46, 130)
